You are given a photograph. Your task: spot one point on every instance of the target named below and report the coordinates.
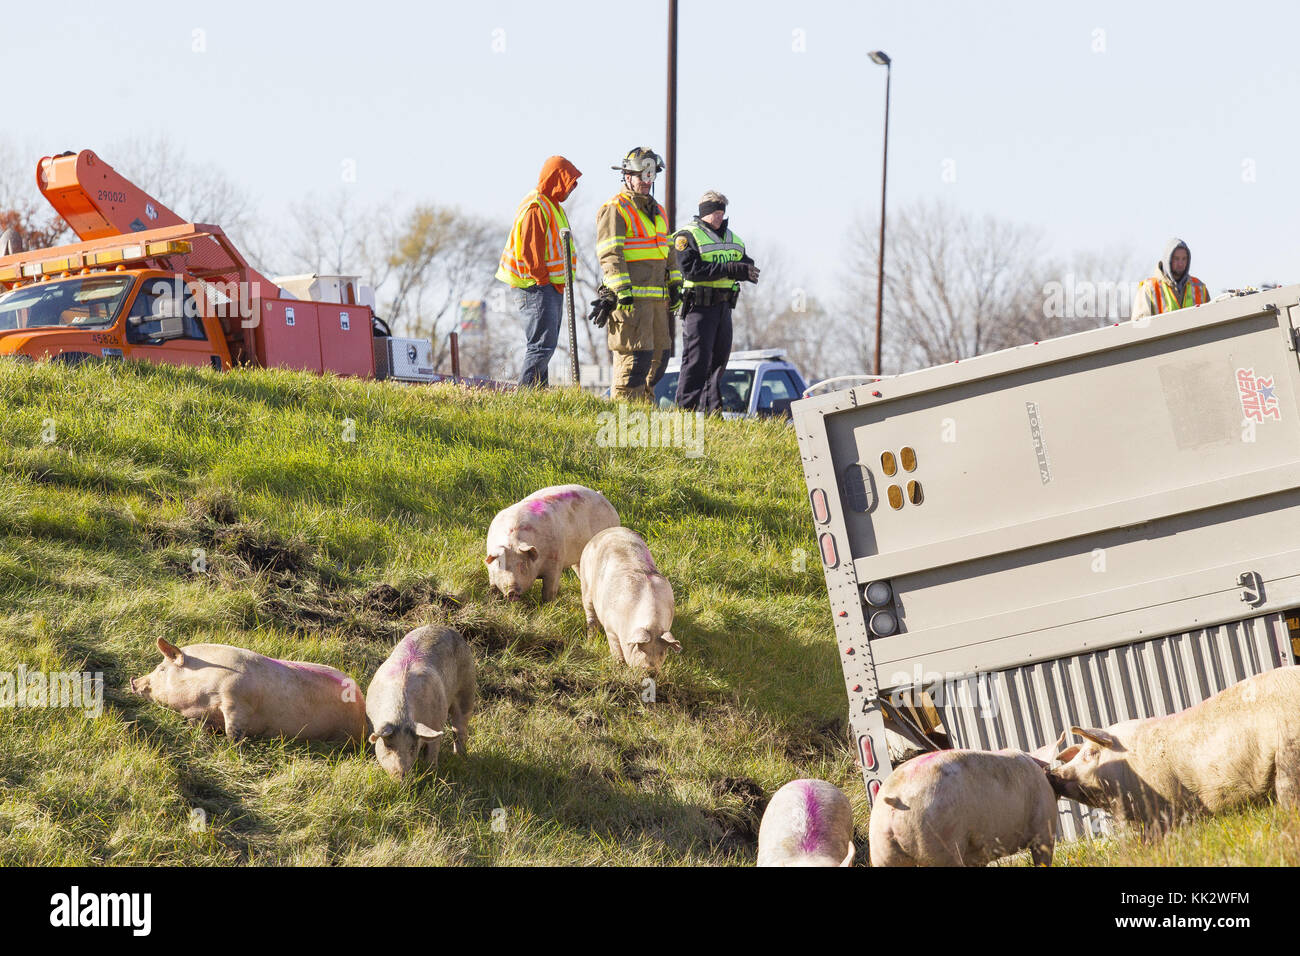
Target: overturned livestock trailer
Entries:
(1079, 531)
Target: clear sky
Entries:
(1106, 124)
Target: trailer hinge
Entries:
(1253, 588)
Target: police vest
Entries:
(1163, 297)
(513, 270)
(728, 248)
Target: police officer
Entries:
(713, 264)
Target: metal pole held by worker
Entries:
(566, 237)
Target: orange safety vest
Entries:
(512, 269)
(1162, 294)
(645, 239)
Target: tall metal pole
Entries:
(566, 238)
(879, 57)
(671, 148)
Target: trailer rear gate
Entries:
(1093, 528)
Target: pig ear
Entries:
(1099, 737)
(489, 559)
(1068, 754)
(639, 636)
(170, 651)
(526, 548)
(672, 641)
(426, 733)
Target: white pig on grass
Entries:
(807, 823)
(963, 808)
(541, 536)
(243, 694)
(428, 678)
(1239, 747)
(623, 592)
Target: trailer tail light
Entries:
(830, 556)
(873, 788)
(884, 623)
(868, 752)
(878, 593)
(821, 510)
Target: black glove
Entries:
(744, 271)
(674, 297)
(602, 306)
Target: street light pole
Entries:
(880, 58)
(671, 146)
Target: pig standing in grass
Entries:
(247, 695)
(541, 536)
(808, 823)
(964, 808)
(1241, 746)
(624, 593)
(427, 678)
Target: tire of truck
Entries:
(73, 358)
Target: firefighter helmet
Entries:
(642, 161)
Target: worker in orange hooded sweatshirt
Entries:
(533, 264)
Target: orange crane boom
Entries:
(96, 201)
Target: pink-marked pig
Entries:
(623, 592)
(1241, 746)
(244, 694)
(807, 823)
(541, 536)
(964, 808)
(428, 678)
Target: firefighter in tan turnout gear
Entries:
(641, 273)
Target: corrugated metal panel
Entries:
(1027, 707)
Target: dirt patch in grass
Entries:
(738, 810)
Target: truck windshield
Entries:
(86, 302)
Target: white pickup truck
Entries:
(1085, 530)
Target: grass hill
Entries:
(320, 519)
(328, 518)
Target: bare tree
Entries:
(424, 263)
(956, 285)
(778, 313)
(22, 207)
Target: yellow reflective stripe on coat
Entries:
(645, 239)
(512, 269)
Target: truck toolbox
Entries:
(1079, 531)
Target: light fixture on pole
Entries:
(880, 58)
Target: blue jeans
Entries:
(541, 306)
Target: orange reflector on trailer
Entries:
(821, 511)
(830, 556)
(868, 752)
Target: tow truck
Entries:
(144, 284)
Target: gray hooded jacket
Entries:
(1166, 266)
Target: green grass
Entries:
(322, 548)
(325, 549)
